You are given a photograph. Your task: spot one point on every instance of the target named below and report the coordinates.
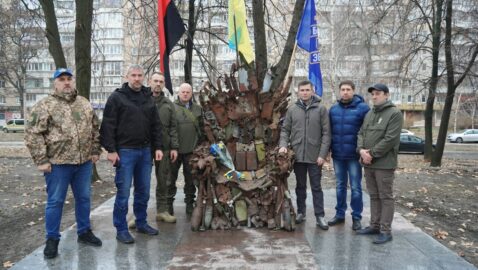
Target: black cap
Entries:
(379, 87)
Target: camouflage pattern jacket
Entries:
(62, 130)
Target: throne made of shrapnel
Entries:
(242, 178)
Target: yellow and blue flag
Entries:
(307, 39)
(237, 12)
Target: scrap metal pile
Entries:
(242, 177)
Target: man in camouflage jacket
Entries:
(63, 139)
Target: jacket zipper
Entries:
(77, 135)
(305, 131)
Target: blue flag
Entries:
(308, 39)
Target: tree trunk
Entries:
(84, 18)
(450, 93)
(280, 70)
(52, 34)
(189, 43)
(260, 42)
(436, 34)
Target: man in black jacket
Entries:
(129, 130)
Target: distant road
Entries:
(452, 150)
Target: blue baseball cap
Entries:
(62, 71)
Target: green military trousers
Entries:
(162, 170)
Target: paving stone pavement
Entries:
(308, 247)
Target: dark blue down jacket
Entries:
(345, 122)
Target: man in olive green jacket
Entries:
(189, 117)
(167, 116)
(377, 143)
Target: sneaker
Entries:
(356, 225)
(300, 218)
(146, 229)
(125, 237)
(51, 248)
(383, 238)
(90, 239)
(322, 223)
(368, 231)
(166, 217)
(335, 221)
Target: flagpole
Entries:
(235, 40)
(291, 58)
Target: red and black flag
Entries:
(170, 28)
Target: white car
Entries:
(467, 135)
(406, 132)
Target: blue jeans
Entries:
(57, 181)
(346, 170)
(134, 165)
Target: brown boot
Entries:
(166, 217)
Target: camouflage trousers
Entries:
(189, 185)
(163, 171)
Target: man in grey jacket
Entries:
(306, 129)
(377, 143)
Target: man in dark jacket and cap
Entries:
(378, 142)
(346, 118)
(306, 129)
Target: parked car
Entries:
(412, 144)
(406, 132)
(467, 135)
(14, 125)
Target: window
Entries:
(112, 68)
(31, 97)
(112, 3)
(2, 100)
(18, 100)
(409, 99)
(34, 83)
(2, 84)
(415, 139)
(65, 5)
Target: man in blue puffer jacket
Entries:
(346, 118)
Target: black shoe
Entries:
(90, 239)
(336, 220)
(51, 248)
(146, 229)
(125, 237)
(300, 218)
(322, 223)
(356, 225)
(368, 231)
(383, 238)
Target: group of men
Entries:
(140, 127)
(357, 137)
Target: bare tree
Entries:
(19, 44)
(452, 82)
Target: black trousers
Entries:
(315, 175)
